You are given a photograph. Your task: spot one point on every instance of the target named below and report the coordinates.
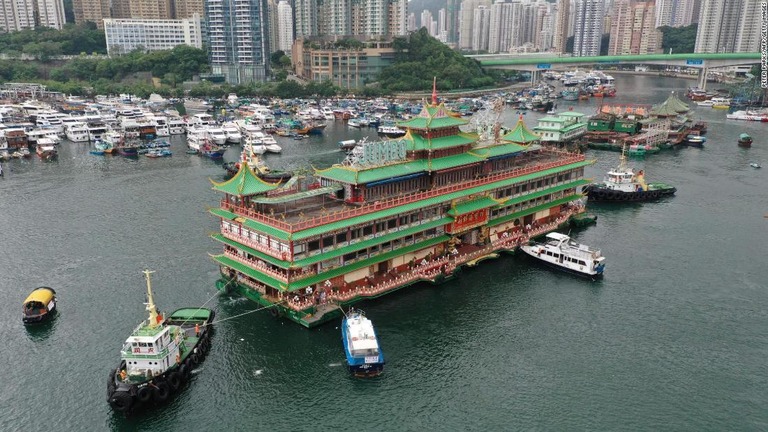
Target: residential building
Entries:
(91, 10)
(375, 17)
(185, 8)
(237, 39)
(425, 19)
(284, 26)
(17, 15)
(126, 35)
(305, 15)
(588, 28)
(452, 21)
(728, 26)
(150, 9)
(272, 26)
(481, 22)
(467, 33)
(504, 27)
(398, 18)
(560, 35)
(675, 13)
(412, 22)
(334, 18)
(50, 13)
(633, 29)
(347, 68)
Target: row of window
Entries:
(565, 258)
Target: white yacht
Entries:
(176, 125)
(217, 135)
(77, 132)
(270, 144)
(196, 136)
(560, 252)
(233, 132)
(200, 119)
(162, 128)
(327, 113)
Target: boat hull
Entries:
(128, 398)
(745, 143)
(600, 194)
(358, 366)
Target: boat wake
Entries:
(334, 364)
(258, 372)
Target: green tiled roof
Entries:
(418, 142)
(298, 195)
(222, 213)
(433, 117)
(552, 119)
(244, 183)
(521, 134)
(570, 114)
(347, 174)
(472, 205)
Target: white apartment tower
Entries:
(284, 26)
(375, 17)
(237, 39)
(481, 21)
(504, 26)
(50, 13)
(425, 19)
(18, 15)
(398, 17)
(560, 34)
(126, 35)
(467, 33)
(728, 26)
(588, 27)
(633, 29)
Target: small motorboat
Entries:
(364, 356)
(745, 140)
(755, 165)
(39, 306)
(695, 140)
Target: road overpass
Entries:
(538, 63)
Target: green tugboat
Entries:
(158, 357)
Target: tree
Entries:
(275, 57)
(679, 39)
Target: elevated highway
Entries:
(537, 63)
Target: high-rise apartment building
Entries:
(452, 21)
(272, 27)
(425, 19)
(150, 9)
(183, 9)
(467, 33)
(305, 17)
(674, 13)
(588, 27)
(91, 10)
(504, 27)
(375, 17)
(18, 15)
(50, 13)
(560, 35)
(334, 18)
(728, 26)
(481, 22)
(237, 39)
(398, 18)
(633, 28)
(284, 26)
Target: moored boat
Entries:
(364, 356)
(46, 149)
(622, 184)
(39, 306)
(745, 140)
(561, 252)
(158, 357)
(695, 140)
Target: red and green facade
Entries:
(437, 200)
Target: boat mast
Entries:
(150, 300)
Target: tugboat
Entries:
(565, 254)
(745, 140)
(364, 357)
(622, 184)
(158, 357)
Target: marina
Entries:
(680, 347)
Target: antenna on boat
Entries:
(153, 316)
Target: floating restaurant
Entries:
(394, 213)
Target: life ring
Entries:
(195, 358)
(144, 394)
(174, 380)
(121, 402)
(161, 392)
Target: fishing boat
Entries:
(39, 306)
(364, 356)
(102, 147)
(158, 357)
(622, 184)
(46, 149)
(158, 153)
(745, 140)
(128, 149)
(561, 252)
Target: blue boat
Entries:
(364, 357)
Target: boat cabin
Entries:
(149, 351)
(361, 338)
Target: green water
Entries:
(673, 338)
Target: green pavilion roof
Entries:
(352, 175)
(521, 134)
(433, 117)
(418, 142)
(664, 110)
(245, 183)
(472, 205)
(676, 104)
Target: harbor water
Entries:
(675, 337)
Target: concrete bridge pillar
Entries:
(703, 72)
